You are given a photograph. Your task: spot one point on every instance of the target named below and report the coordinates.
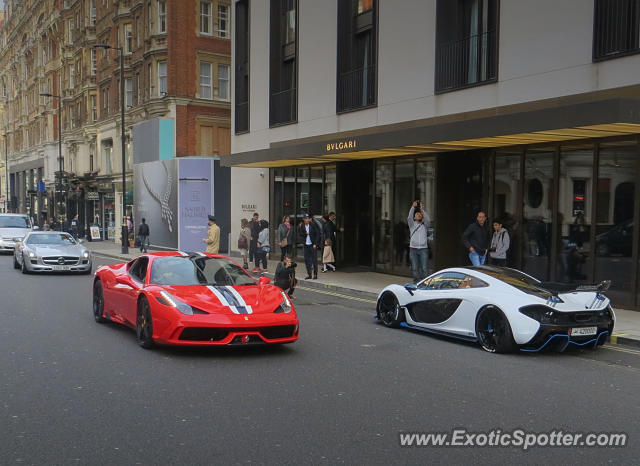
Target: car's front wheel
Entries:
(144, 324)
(493, 331)
(16, 264)
(23, 266)
(98, 303)
(389, 311)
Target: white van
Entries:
(13, 227)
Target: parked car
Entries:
(13, 227)
(616, 241)
(51, 251)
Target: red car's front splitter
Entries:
(242, 329)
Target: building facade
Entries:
(529, 111)
(176, 63)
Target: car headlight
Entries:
(85, 254)
(169, 300)
(32, 254)
(542, 314)
(285, 306)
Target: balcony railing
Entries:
(283, 107)
(466, 62)
(356, 89)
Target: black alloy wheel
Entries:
(16, 264)
(144, 324)
(389, 311)
(493, 331)
(98, 303)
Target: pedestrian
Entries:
(46, 226)
(254, 227)
(476, 239)
(285, 276)
(143, 234)
(328, 233)
(309, 236)
(263, 246)
(213, 236)
(500, 243)
(285, 237)
(74, 226)
(418, 221)
(243, 241)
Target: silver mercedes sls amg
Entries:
(51, 251)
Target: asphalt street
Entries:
(76, 392)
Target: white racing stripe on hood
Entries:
(223, 300)
(240, 299)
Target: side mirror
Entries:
(80, 240)
(411, 288)
(124, 280)
(36, 227)
(264, 280)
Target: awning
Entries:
(552, 124)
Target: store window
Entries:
(538, 212)
(383, 228)
(403, 198)
(615, 205)
(506, 206)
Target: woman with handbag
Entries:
(285, 237)
(243, 241)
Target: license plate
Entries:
(59, 268)
(580, 331)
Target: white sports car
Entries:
(503, 309)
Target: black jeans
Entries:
(311, 260)
(286, 251)
(260, 255)
(498, 262)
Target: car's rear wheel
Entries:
(98, 303)
(493, 331)
(144, 324)
(23, 267)
(16, 264)
(389, 311)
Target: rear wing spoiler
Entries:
(602, 286)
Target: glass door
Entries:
(383, 210)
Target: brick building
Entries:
(176, 66)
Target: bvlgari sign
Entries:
(341, 145)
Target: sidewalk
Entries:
(366, 285)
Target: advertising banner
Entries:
(195, 188)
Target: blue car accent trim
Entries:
(438, 332)
(595, 342)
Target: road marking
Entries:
(622, 350)
(331, 293)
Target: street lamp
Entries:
(125, 230)
(6, 169)
(55, 187)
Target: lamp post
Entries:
(6, 169)
(125, 230)
(55, 187)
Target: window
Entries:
(92, 12)
(616, 28)
(241, 80)
(70, 31)
(94, 61)
(94, 107)
(223, 82)
(466, 43)
(206, 80)
(128, 85)
(139, 32)
(162, 77)
(162, 16)
(107, 148)
(205, 18)
(72, 76)
(150, 80)
(128, 38)
(138, 270)
(222, 25)
(357, 55)
(283, 67)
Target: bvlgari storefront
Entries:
(568, 197)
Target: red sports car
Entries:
(179, 298)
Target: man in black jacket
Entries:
(309, 235)
(143, 234)
(476, 239)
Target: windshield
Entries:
(51, 239)
(13, 221)
(187, 271)
(517, 279)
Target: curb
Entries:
(623, 340)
